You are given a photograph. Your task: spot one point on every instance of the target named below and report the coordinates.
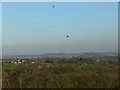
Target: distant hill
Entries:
(65, 55)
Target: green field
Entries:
(62, 73)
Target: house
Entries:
(32, 62)
(12, 62)
(19, 62)
(15, 62)
(23, 61)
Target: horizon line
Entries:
(59, 53)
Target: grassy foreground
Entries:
(71, 73)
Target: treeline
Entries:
(61, 73)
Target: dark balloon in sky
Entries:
(53, 6)
(67, 36)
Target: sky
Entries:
(60, 0)
(38, 28)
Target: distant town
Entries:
(20, 59)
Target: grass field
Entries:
(63, 73)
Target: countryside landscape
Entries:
(59, 45)
(50, 71)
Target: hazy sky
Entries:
(60, 0)
(37, 28)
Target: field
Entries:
(60, 73)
